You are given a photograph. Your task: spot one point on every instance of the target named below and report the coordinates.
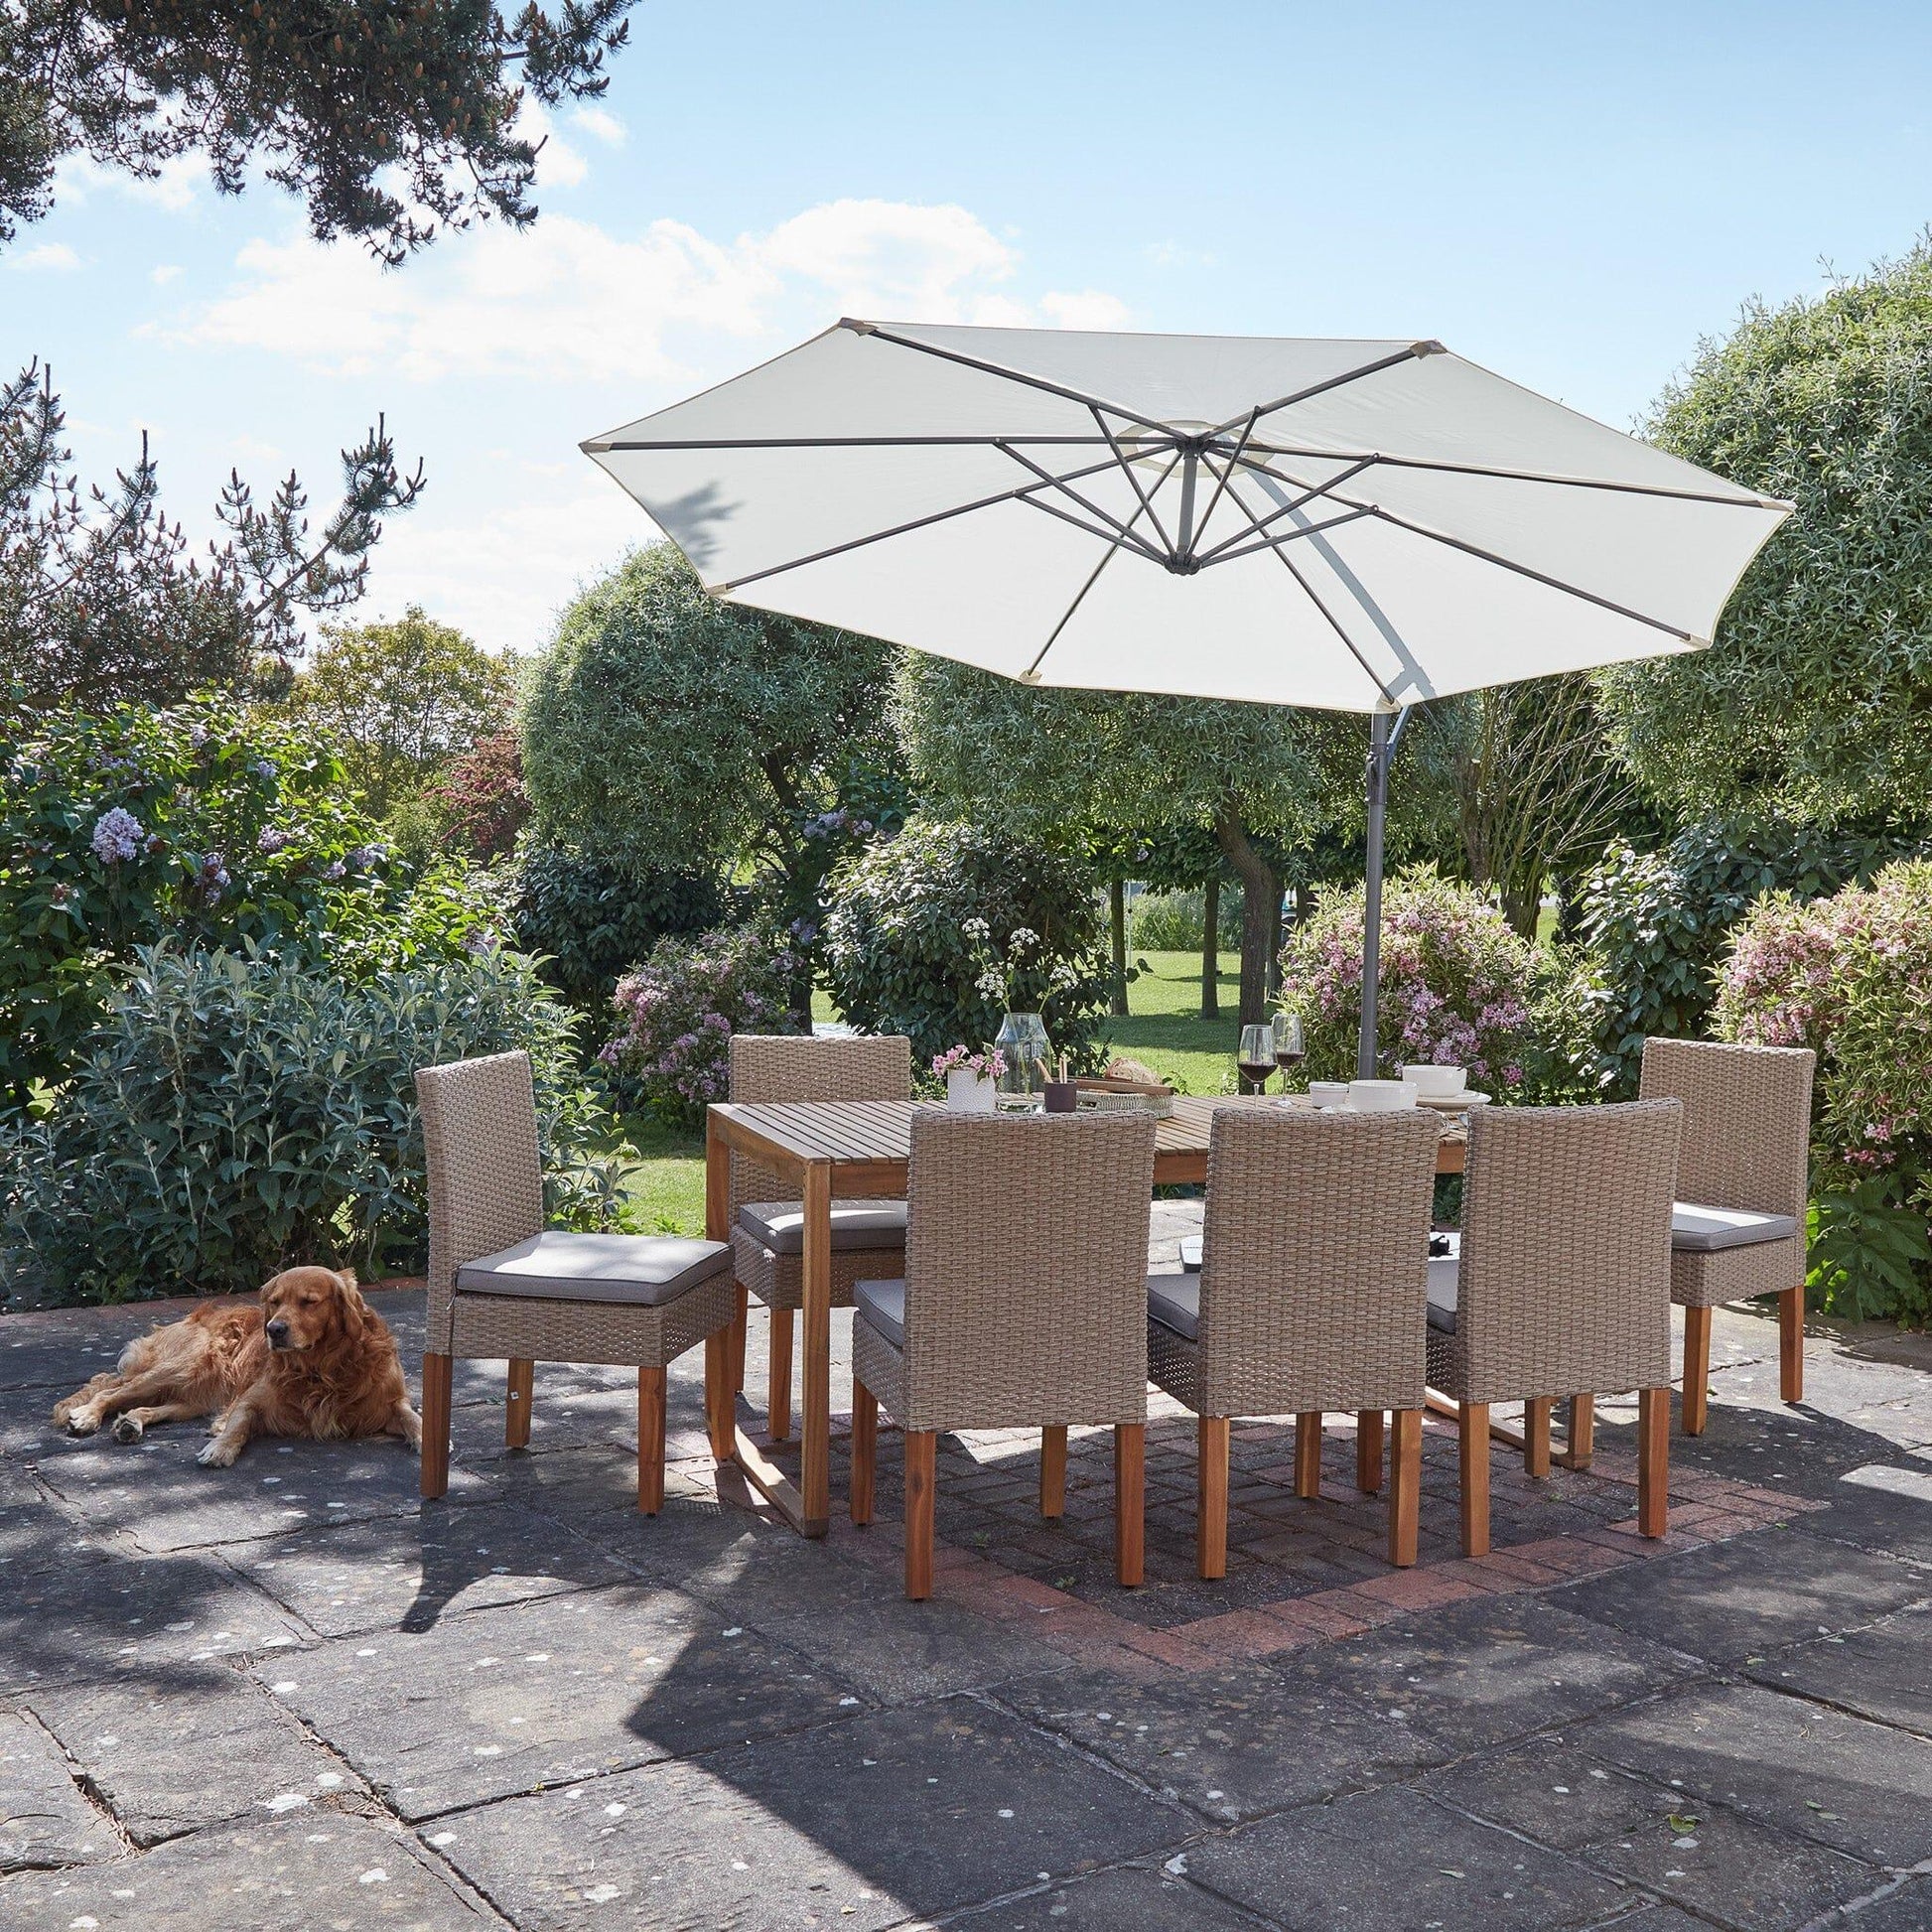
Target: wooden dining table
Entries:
(862, 1148)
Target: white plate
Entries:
(1453, 1103)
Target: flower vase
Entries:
(1023, 1045)
(968, 1092)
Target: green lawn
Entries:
(665, 1188)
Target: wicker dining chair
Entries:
(1562, 1283)
(1311, 1297)
(502, 1285)
(1021, 1305)
(1739, 1226)
(767, 1231)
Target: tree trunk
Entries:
(1211, 950)
(1117, 917)
(1261, 914)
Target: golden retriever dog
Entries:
(313, 1359)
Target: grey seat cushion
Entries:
(1444, 1271)
(780, 1225)
(883, 1303)
(1174, 1301)
(1698, 1230)
(1191, 1245)
(642, 1270)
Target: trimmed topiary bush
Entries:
(1655, 924)
(591, 919)
(679, 1009)
(1851, 977)
(233, 1115)
(1459, 987)
(899, 957)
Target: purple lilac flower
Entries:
(272, 838)
(263, 768)
(117, 836)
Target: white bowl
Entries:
(1329, 1093)
(1380, 1096)
(1437, 1079)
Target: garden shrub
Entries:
(591, 919)
(479, 800)
(1171, 921)
(679, 1009)
(898, 957)
(234, 1114)
(196, 824)
(1459, 986)
(1851, 977)
(1655, 924)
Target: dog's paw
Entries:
(127, 1429)
(217, 1454)
(81, 1421)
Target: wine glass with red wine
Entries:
(1256, 1058)
(1288, 1044)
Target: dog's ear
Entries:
(347, 1276)
(353, 1312)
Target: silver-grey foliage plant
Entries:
(232, 1116)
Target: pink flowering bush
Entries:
(1851, 977)
(1459, 988)
(679, 1009)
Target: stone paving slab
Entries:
(407, 1575)
(1906, 1908)
(199, 1746)
(1399, 1861)
(44, 1817)
(1883, 1672)
(119, 1617)
(1736, 1600)
(1130, 1899)
(1859, 1787)
(500, 1701)
(1735, 1871)
(858, 1824)
(1552, 1790)
(295, 1874)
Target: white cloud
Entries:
(49, 257)
(569, 300)
(601, 124)
(1171, 254)
(1083, 309)
(175, 188)
(162, 273)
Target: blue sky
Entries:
(1570, 193)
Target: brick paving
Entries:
(288, 1695)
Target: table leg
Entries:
(816, 1422)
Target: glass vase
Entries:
(1021, 1086)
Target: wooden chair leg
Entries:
(1653, 1460)
(1472, 1457)
(436, 1424)
(1130, 1502)
(1405, 1487)
(1791, 1345)
(650, 1440)
(739, 1326)
(1581, 1443)
(1307, 1455)
(778, 1406)
(1697, 1369)
(921, 1457)
(1368, 1451)
(865, 1451)
(1536, 1435)
(516, 1403)
(1211, 1500)
(720, 1407)
(1052, 1471)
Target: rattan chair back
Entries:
(774, 1068)
(1746, 1121)
(485, 1174)
(1025, 1269)
(1565, 1276)
(1314, 1261)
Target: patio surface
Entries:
(289, 1695)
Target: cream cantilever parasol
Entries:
(1347, 525)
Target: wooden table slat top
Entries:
(874, 1131)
